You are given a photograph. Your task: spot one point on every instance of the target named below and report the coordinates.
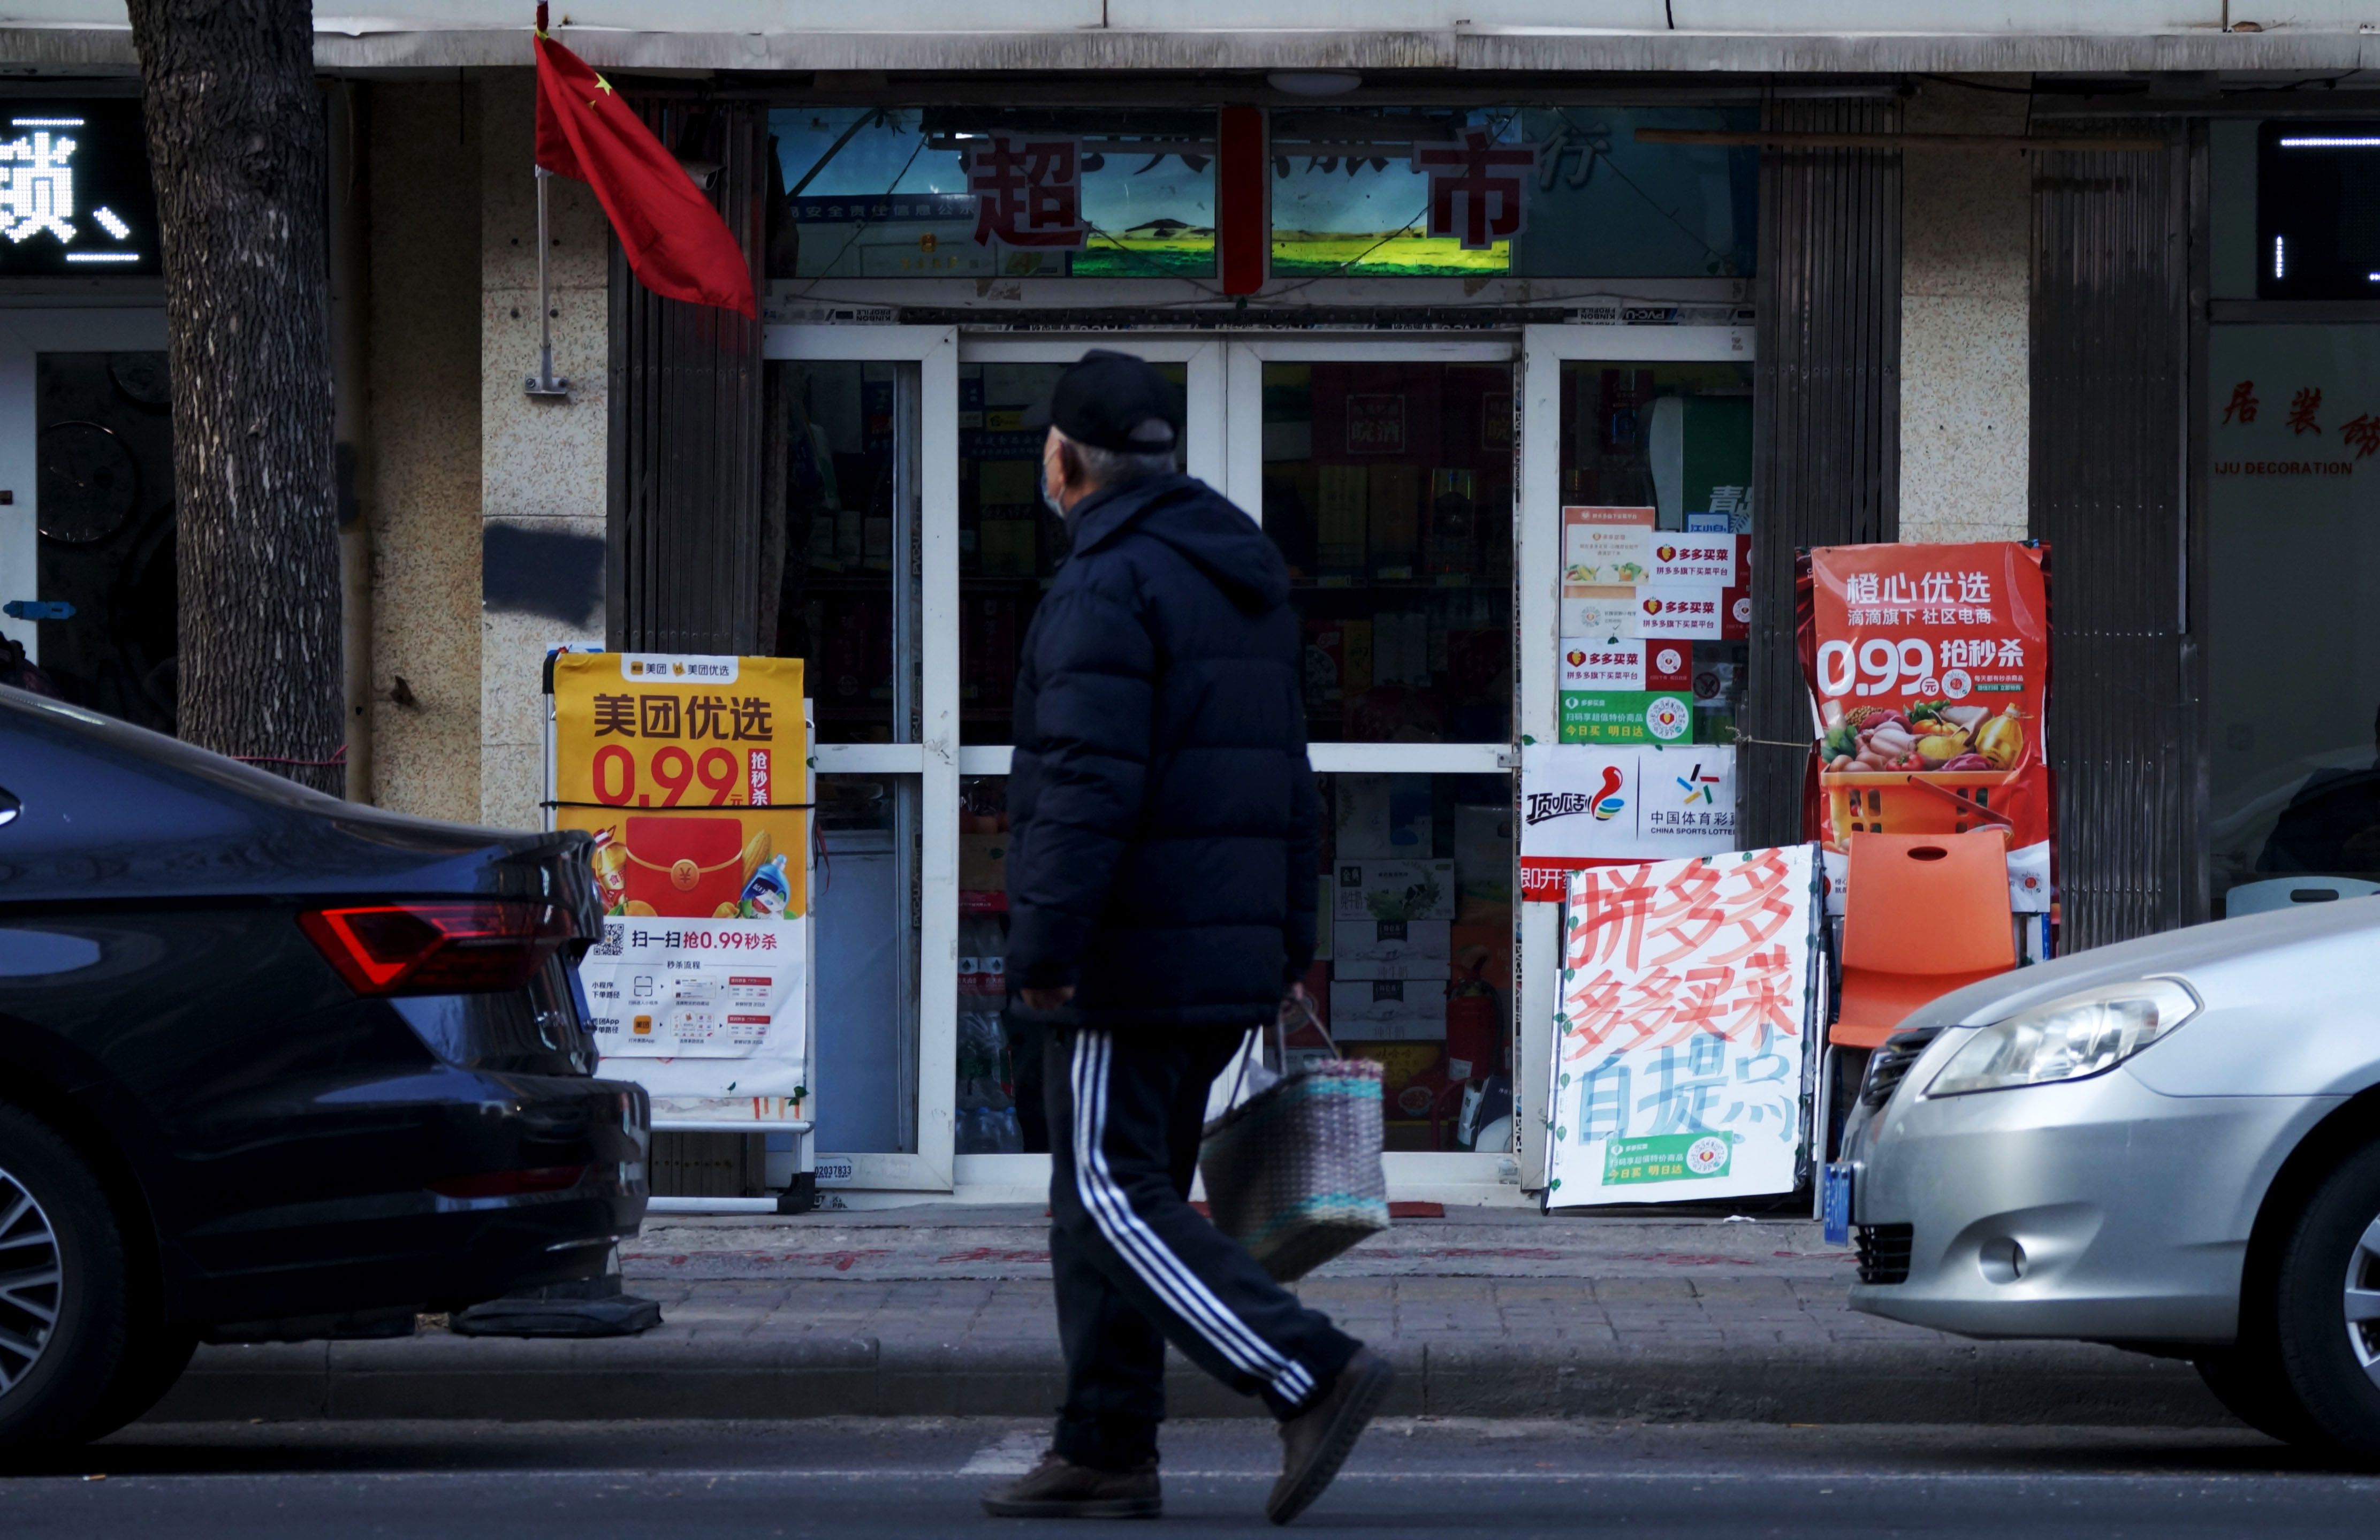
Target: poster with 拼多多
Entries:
(1682, 1030)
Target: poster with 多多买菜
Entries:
(1928, 666)
(691, 773)
(1681, 1030)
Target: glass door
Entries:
(863, 435)
(1385, 472)
(1009, 549)
(1649, 418)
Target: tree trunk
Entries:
(237, 146)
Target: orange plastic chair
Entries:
(1926, 914)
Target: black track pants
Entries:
(1137, 1266)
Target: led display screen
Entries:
(75, 197)
(2318, 210)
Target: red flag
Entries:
(675, 240)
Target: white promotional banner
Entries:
(1682, 1029)
(709, 1008)
(1689, 611)
(1583, 803)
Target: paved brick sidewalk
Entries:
(933, 1316)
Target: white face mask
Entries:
(1048, 498)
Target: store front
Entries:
(2290, 419)
(1411, 460)
(87, 586)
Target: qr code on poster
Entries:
(614, 934)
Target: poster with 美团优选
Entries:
(1682, 1029)
(691, 773)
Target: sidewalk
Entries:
(947, 1312)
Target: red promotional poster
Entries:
(1929, 665)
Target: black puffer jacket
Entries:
(1163, 848)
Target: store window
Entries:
(1555, 192)
(1414, 963)
(2292, 424)
(1387, 486)
(990, 1119)
(865, 894)
(1657, 459)
(980, 192)
(106, 574)
(1010, 545)
(847, 600)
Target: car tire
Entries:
(2330, 1276)
(153, 1362)
(65, 1318)
(2250, 1383)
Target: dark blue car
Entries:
(273, 1067)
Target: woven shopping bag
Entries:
(1293, 1172)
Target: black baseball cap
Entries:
(1113, 401)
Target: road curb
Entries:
(443, 1377)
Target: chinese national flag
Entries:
(675, 240)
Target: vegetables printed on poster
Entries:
(1681, 1065)
(692, 773)
(1929, 667)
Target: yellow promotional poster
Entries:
(690, 771)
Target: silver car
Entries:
(2171, 1144)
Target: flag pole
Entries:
(544, 382)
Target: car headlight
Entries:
(2070, 1038)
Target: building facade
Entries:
(1791, 279)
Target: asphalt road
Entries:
(727, 1481)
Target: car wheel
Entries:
(63, 1292)
(153, 1360)
(2327, 1306)
(2251, 1385)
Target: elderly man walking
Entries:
(1162, 883)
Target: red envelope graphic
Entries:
(685, 867)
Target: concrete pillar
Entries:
(423, 163)
(541, 468)
(1966, 298)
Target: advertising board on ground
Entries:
(692, 774)
(1690, 995)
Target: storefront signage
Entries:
(1027, 191)
(1583, 806)
(1705, 559)
(1687, 611)
(1686, 1003)
(1627, 717)
(1929, 665)
(692, 774)
(1479, 190)
(74, 194)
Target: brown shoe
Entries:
(1317, 1441)
(1058, 1488)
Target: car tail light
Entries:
(459, 947)
(511, 1184)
